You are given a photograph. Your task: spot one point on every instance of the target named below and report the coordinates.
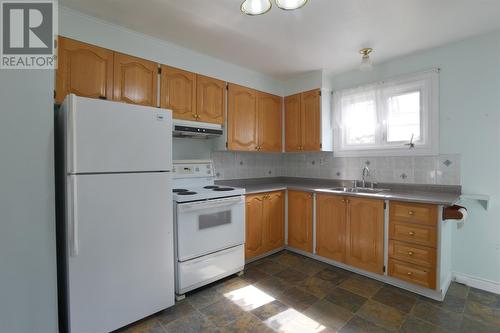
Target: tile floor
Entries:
(287, 292)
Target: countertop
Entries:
(439, 195)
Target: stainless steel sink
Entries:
(366, 190)
(341, 189)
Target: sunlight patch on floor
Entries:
(292, 321)
(249, 297)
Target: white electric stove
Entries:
(209, 225)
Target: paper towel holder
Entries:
(453, 213)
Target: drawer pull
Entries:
(410, 253)
(411, 212)
(409, 273)
(411, 233)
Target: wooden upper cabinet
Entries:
(365, 234)
(292, 123)
(210, 99)
(84, 70)
(254, 226)
(331, 219)
(135, 80)
(300, 206)
(269, 122)
(242, 119)
(311, 120)
(178, 92)
(274, 212)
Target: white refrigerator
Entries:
(115, 229)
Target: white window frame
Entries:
(427, 83)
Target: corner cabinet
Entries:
(300, 220)
(265, 223)
(254, 120)
(308, 122)
(135, 80)
(83, 69)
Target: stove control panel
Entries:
(193, 169)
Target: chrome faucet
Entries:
(364, 174)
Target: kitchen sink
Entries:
(367, 190)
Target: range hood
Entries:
(195, 129)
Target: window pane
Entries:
(360, 121)
(403, 117)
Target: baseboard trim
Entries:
(476, 282)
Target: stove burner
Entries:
(222, 189)
(179, 190)
(211, 187)
(186, 193)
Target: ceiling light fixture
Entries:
(366, 63)
(256, 7)
(290, 4)
(259, 7)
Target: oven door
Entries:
(204, 227)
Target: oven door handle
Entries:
(216, 203)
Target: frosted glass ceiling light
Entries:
(256, 7)
(366, 63)
(290, 4)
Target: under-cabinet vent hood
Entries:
(195, 129)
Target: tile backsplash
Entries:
(440, 170)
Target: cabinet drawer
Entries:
(413, 213)
(415, 254)
(413, 233)
(422, 276)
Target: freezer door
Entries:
(105, 136)
(121, 263)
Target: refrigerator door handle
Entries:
(73, 217)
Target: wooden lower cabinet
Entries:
(254, 226)
(413, 243)
(300, 218)
(423, 276)
(274, 214)
(351, 230)
(331, 219)
(365, 234)
(265, 223)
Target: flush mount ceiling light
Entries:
(366, 63)
(259, 7)
(256, 7)
(290, 4)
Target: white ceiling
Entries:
(325, 34)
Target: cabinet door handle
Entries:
(194, 116)
(411, 233)
(411, 212)
(409, 273)
(410, 253)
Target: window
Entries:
(397, 117)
